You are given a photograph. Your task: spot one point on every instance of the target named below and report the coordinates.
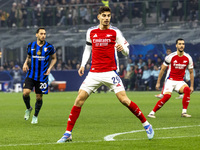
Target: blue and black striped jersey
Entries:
(40, 60)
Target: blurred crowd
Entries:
(30, 13)
(143, 75)
(137, 74)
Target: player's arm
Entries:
(121, 44)
(53, 61)
(86, 53)
(27, 61)
(190, 68)
(191, 80)
(85, 58)
(162, 71)
(124, 49)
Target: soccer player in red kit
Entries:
(103, 41)
(178, 62)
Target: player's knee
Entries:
(26, 93)
(186, 90)
(125, 101)
(39, 96)
(81, 98)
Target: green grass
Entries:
(101, 115)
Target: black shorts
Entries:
(40, 87)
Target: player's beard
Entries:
(106, 23)
(181, 51)
(41, 40)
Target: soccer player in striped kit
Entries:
(103, 42)
(38, 66)
(178, 62)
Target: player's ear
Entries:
(36, 35)
(98, 16)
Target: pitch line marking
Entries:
(95, 141)
(111, 136)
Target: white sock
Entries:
(145, 123)
(152, 112)
(68, 132)
(184, 111)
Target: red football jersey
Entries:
(178, 65)
(104, 54)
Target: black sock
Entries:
(27, 101)
(38, 106)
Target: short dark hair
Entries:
(103, 9)
(179, 39)
(40, 28)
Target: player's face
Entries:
(168, 51)
(104, 18)
(180, 45)
(41, 35)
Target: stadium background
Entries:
(150, 26)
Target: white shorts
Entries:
(94, 80)
(171, 85)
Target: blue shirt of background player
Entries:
(40, 60)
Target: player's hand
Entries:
(119, 47)
(25, 68)
(191, 90)
(48, 72)
(81, 71)
(158, 86)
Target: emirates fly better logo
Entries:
(178, 65)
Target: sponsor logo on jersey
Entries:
(179, 66)
(101, 42)
(40, 58)
(33, 49)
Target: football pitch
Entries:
(104, 123)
